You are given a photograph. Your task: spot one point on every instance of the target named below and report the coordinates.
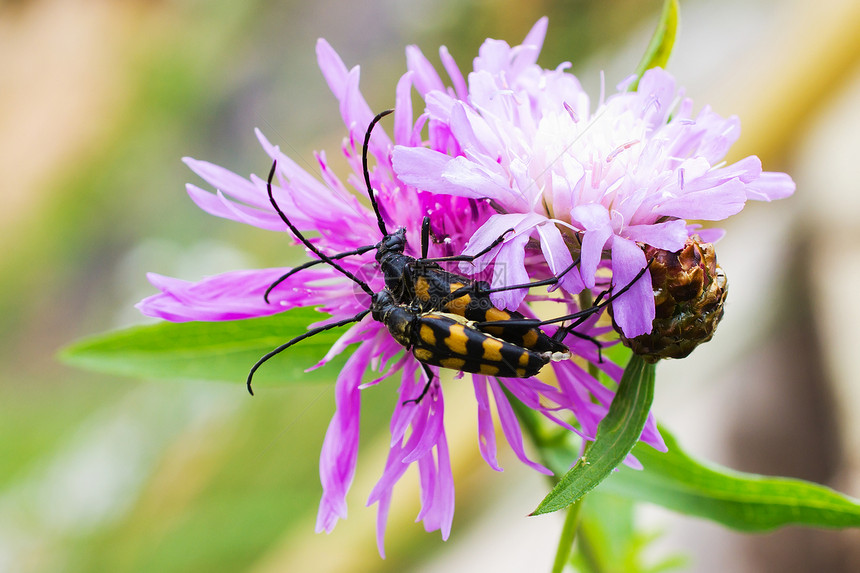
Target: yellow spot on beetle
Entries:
(492, 350)
(456, 341)
(530, 338)
(422, 354)
(422, 289)
(524, 359)
(459, 304)
(495, 314)
(427, 335)
(489, 369)
(453, 363)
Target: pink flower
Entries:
(341, 222)
(599, 184)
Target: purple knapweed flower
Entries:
(339, 221)
(596, 183)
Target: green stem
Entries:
(588, 553)
(661, 44)
(529, 423)
(586, 300)
(568, 536)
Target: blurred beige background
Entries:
(100, 99)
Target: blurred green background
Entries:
(99, 100)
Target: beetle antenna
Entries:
(370, 194)
(304, 239)
(299, 338)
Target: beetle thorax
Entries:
(391, 245)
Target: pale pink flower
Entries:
(331, 209)
(597, 183)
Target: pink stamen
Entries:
(653, 101)
(572, 113)
(620, 148)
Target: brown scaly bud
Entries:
(690, 290)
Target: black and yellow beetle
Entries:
(451, 341)
(434, 337)
(444, 319)
(425, 286)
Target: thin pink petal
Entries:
(403, 109)
(421, 168)
(595, 221)
(340, 447)
(486, 430)
(634, 310)
(669, 235)
(511, 428)
(426, 78)
(332, 67)
(509, 269)
(219, 206)
(454, 73)
(229, 296)
(228, 182)
(710, 204)
(770, 186)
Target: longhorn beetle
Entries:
(435, 338)
(445, 319)
(425, 286)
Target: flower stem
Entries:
(568, 536)
(586, 300)
(590, 557)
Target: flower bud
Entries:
(690, 290)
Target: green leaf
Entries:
(747, 502)
(211, 350)
(658, 50)
(616, 435)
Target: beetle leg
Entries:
(465, 258)
(427, 385)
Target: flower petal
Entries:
(669, 235)
(454, 73)
(634, 310)
(509, 269)
(535, 38)
(709, 235)
(710, 203)
(229, 296)
(426, 78)
(486, 429)
(403, 110)
(770, 186)
(511, 427)
(558, 257)
(340, 446)
(220, 206)
(332, 67)
(594, 220)
(496, 226)
(421, 168)
(228, 182)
